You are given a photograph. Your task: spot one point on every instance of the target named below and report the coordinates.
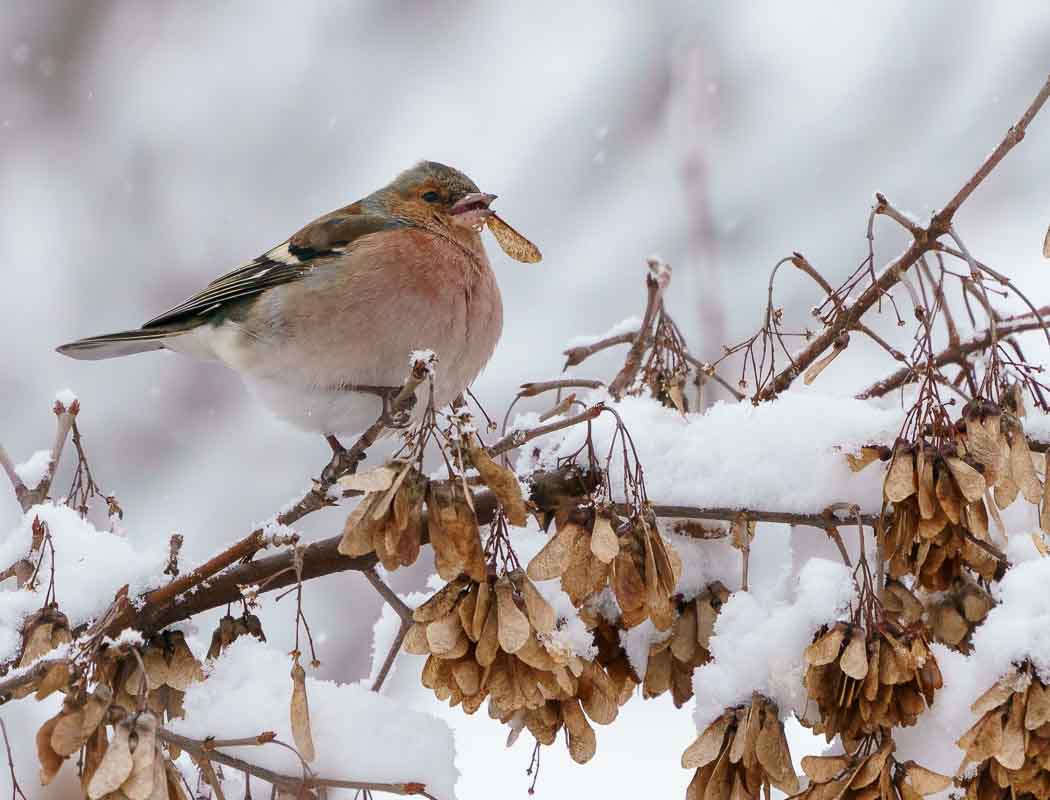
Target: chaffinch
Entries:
(322, 324)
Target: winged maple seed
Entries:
(389, 518)
(741, 754)
(673, 660)
(513, 243)
(953, 616)
(299, 712)
(42, 632)
(230, 629)
(491, 640)
(867, 681)
(1007, 750)
(592, 549)
(945, 497)
(869, 773)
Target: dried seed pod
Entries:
(869, 775)
(513, 243)
(582, 742)
(556, 555)
(514, 629)
(900, 482)
(541, 614)
(116, 764)
(50, 760)
(896, 684)
(299, 712)
(503, 483)
(605, 545)
(741, 753)
(454, 533)
(1010, 741)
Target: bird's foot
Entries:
(403, 417)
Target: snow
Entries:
(628, 325)
(66, 397)
(33, 470)
(90, 566)
(788, 455)
(358, 734)
(758, 643)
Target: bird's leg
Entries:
(341, 462)
(403, 418)
(386, 394)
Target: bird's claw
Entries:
(402, 418)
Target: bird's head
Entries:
(434, 195)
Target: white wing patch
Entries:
(282, 255)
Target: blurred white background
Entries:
(146, 148)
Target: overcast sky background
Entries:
(146, 148)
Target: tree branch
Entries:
(950, 355)
(207, 751)
(656, 281)
(922, 242)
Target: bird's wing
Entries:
(289, 261)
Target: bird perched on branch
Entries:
(322, 325)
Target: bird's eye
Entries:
(431, 197)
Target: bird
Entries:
(322, 326)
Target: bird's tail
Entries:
(124, 343)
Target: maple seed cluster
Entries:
(159, 682)
(740, 754)
(491, 640)
(868, 681)
(673, 660)
(1010, 742)
(869, 775)
(939, 495)
(593, 549)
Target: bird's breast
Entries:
(358, 316)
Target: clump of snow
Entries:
(636, 643)
(33, 470)
(629, 325)
(788, 455)
(358, 734)
(758, 643)
(66, 397)
(90, 566)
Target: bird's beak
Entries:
(476, 202)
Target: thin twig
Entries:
(16, 790)
(575, 356)
(202, 750)
(950, 355)
(655, 283)
(388, 594)
(880, 285)
(539, 387)
(16, 482)
(516, 439)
